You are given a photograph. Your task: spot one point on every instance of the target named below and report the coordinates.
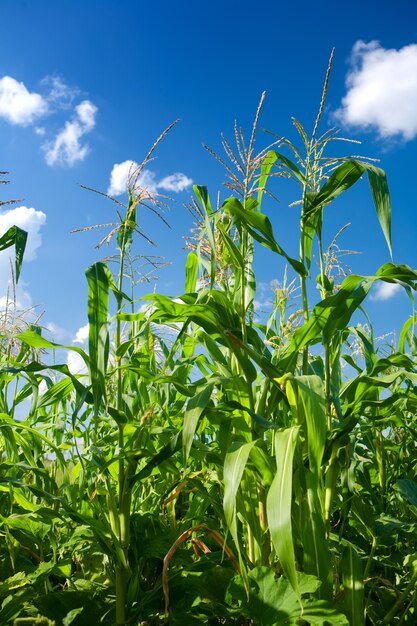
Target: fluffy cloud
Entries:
(75, 362)
(18, 105)
(30, 220)
(81, 335)
(21, 107)
(175, 182)
(59, 95)
(121, 171)
(67, 147)
(119, 176)
(382, 90)
(385, 291)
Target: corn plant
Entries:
(209, 467)
(288, 425)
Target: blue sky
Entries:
(88, 85)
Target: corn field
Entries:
(214, 466)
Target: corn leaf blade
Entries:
(279, 503)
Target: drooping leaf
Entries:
(195, 408)
(334, 313)
(202, 194)
(259, 226)
(17, 237)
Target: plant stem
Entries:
(371, 556)
(400, 600)
(123, 514)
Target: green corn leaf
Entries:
(258, 419)
(234, 465)
(17, 237)
(264, 464)
(259, 226)
(191, 272)
(279, 503)
(112, 285)
(343, 177)
(33, 339)
(408, 334)
(367, 347)
(408, 490)
(232, 248)
(346, 175)
(56, 393)
(271, 158)
(98, 336)
(165, 453)
(119, 416)
(312, 226)
(316, 553)
(380, 192)
(334, 313)
(306, 397)
(34, 367)
(354, 594)
(202, 194)
(195, 408)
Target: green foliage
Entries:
(210, 469)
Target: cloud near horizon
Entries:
(121, 171)
(381, 90)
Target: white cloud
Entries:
(175, 182)
(385, 291)
(86, 112)
(75, 362)
(58, 334)
(18, 105)
(81, 335)
(147, 179)
(382, 90)
(59, 95)
(119, 176)
(67, 148)
(30, 220)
